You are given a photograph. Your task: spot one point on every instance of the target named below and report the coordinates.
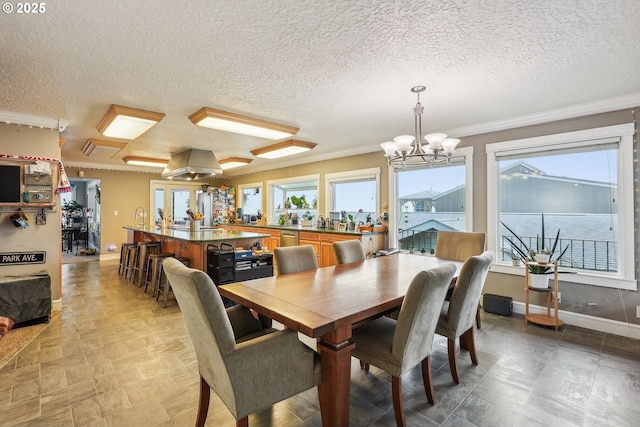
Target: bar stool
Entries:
(153, 274)
(142, 256)
(163, 283)
(131, 261)
(124, 255)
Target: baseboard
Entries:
(629, 330)
(56, 305)
(109, 257)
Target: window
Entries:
(250, 198)
(282, 192)
(425, 200)
(174, 199)
(355, 192)
(582, 183)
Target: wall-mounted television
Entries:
(10, 184)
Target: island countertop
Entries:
(209, 235)
(192, 245)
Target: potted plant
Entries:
(352, 224)
(539, 271)
(515, 259)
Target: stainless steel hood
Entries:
(191, 165)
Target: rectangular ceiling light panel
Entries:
(234, 162)
(236, 123)
(127, 123)
(282, 149)
(145, 161)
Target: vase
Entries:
(542, 258)
(538, 281)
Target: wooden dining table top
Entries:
(316, 302)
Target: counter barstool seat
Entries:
(153, 274)
(163, 283)
(144, 250)
(124, 257)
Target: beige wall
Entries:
(22, 140)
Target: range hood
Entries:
(191, 165)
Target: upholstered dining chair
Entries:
(292, 259)
(456, 316)
(398, 346)
(349, 251)
(458, 246)
(249, 367)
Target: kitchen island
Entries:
(193, 244)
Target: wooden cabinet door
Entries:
(313, 239)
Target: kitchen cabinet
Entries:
(313, 239)
(320, 239)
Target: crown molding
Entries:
(11, 117)
(563, 113)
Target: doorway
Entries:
(81, 221)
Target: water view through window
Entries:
(430, 200)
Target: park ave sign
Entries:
(13, 258)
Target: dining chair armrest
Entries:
(269, 361)
(242, 321)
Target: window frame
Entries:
(240, 195)
(622, 135)
(349, 176)
(461, 155)
(270, 208)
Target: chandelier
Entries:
(410, 150)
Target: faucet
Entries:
(144, 215)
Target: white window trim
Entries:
(167, 186)
(240, 194)
(462, 155)
(269, 194)
(625, 278)
(360, 174)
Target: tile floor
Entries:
(115, 357)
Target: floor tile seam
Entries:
(467, 396)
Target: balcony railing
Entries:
(582, 254)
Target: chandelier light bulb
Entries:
(449, 144)
(404, 143)
(389, 148)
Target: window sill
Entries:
(605, 281)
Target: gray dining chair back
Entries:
(460, 245)
(457, 315)
(249, 367)
(292, 259)
(349, 251)
(398, 346)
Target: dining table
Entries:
(326, 304)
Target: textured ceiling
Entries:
(341, 71)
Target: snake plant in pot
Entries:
(544, 257)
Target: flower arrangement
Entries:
(529, 254)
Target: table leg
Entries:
(333, 391)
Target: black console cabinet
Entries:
(224, 265)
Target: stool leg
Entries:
(161, 284)
(146, 274)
